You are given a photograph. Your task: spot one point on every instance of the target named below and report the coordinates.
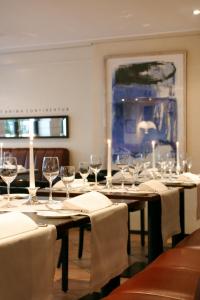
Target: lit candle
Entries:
(1, 151)
(153, 143)
(109, 158)
(31, 158)
(177, 155)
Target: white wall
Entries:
(72, 81)
(51, 82)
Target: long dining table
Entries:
(63, 226)
(133, 200)
(153, 200)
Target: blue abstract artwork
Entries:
(146, 97)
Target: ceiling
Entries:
(33, 24)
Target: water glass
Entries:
(135, 167)
(8, 171)
(84, 170)
(122, 162)
(50, 169)
(95, 165)
(67, 175)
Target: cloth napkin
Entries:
(77, 183)
(21, 168)
(88, 202)
(170, 218)
(109, 234)
(190, 177)
(14, 223)
(27, 263)
(127, 177)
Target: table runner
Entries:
(190, 177)
(170, 218)
(109, 234)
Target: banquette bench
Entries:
(22, 155)
(175, 274)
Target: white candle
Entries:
(31, 160)
(1, 151)
(109, 158)
(153, 143)
(177, 155)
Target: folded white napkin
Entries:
(127, 176)
(88, 202)
(77, 183)
(27, 263)
(15, 223)
(109, 233)
(190, 177)
(21, 168)
(170, 219)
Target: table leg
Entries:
(155, 244)
(64, 261)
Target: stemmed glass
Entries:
(122, 162)
(95, 166)
(170, 166)
(189, 164)
(50, 169)
(135, 166)
(8, 171)
(84, 170)
(67, 175)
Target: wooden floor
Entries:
(79, 269)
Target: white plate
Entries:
(55, 214)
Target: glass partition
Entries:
(43, 127)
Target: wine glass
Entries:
(67, 174)
(122, 162)
(8, 171)
(134, 167)
(189, 164)
(84, 170)
(95, 165)
(50, 169)
(170, 166)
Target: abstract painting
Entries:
(145, 102)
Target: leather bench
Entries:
(174, 274)
(22, 155)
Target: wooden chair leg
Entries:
(142, 227)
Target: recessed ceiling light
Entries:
(196, 12)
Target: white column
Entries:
(1, 151)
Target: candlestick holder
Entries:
(108, 182)
(32, 195)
